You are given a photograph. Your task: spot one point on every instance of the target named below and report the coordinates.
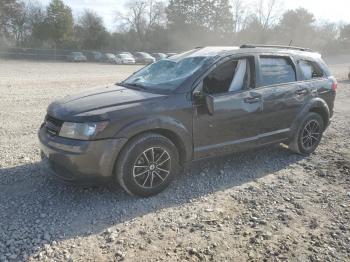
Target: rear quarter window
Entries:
(323, 66)
(276, 70)
(310, 70)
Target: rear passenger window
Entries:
(276, 70)
(309, 70)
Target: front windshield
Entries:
(166, 74)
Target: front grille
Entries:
(53, 125)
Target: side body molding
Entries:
(164, 123)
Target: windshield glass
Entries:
(166, 75)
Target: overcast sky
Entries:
(324, 10)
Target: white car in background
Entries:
(125, 59)
(125, 53)
(110, 58)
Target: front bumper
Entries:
(80, 162)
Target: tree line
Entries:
(164, 26)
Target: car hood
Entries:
(98, 99)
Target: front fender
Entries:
(163, 123)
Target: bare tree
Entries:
(240, 13)
(18, 27)
(156, 14)
(268, 12)
(10, 14)
(135, 18)
(142, 16)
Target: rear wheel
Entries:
(147, 165)
(308, 135)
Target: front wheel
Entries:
(147, 165)
(309, 134)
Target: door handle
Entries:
(251, 100)
(302, 91)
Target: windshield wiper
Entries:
(132, 85)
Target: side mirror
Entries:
(209, 101)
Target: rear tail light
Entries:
(334, 83)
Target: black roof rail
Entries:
(278, 46)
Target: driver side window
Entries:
(230, 76)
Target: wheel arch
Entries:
(316, 105)
(168, 127)
(176, 139)
(323, 113)
(169, 134)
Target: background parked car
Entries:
(77, 57)
(126, 53)
(144, 58)
(159, 56)
(125, 58)
(97, 56)
(170, 54)
(111, 58)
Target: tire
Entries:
(143, 169)
(309, 134)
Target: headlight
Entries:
(82, 131)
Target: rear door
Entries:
(315, 81)
(281, 94)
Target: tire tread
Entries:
(294, 144)
(127, 151)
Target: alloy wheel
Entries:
(152, 167)
(311, 135)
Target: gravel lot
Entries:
(267, 205)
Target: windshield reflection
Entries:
(166, 74)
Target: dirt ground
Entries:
(265, 205)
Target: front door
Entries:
(236, 109)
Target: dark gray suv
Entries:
(201, 103)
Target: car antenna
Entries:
(290, 43)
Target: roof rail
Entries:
(278, 46)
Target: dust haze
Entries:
(167, 26)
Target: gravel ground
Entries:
(267, 205)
